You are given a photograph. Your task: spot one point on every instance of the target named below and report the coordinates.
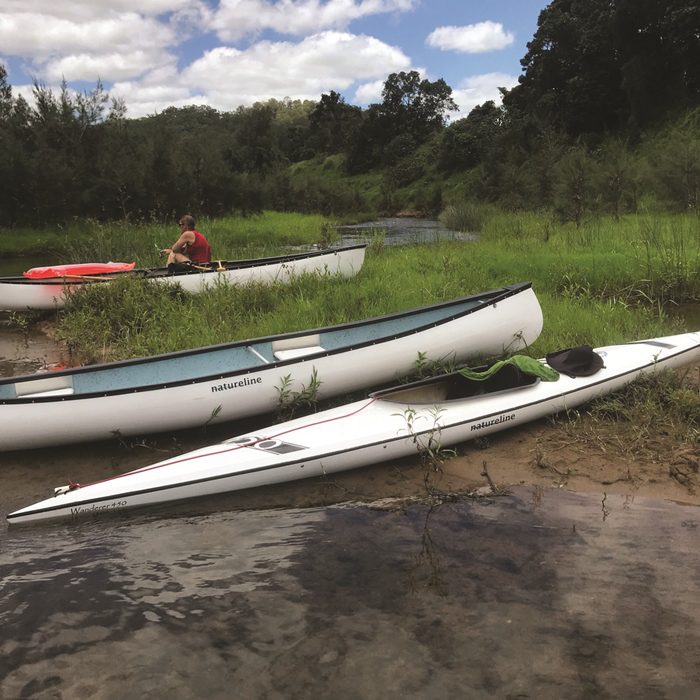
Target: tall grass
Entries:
(468, 217)
(132, 318)
(231, 237)
(652, 257)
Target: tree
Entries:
(416, 106)
(411, 111)
(597, 66)
(333, 122)
(571, 73)
(574, 189)
(467, 142)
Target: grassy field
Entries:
(606, 283)
(230, 237)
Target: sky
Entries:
(229, 53)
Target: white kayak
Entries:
(230, 381)
(45, 293)
(388, 425)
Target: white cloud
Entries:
(111, 48)
(83, 40)
(82, 10)
(114, 66)
(477, 89)
(321, 62)
(236, 18)
(472, 38)
(367, 93)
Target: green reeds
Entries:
(233, 237)
(131, 318)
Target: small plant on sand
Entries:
(428, 442)
(289, 402)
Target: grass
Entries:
(604, 282)
(656, 418)
(649, 258)
(231, 238)
(586, 296)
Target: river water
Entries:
(400, 231)
(541, 594)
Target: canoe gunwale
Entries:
(492, 297)
(162, 272)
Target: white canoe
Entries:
(234, 380)
(22, 293)
(387, 425)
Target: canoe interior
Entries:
(456, 386)
(218, 361)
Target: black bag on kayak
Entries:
(581, 361)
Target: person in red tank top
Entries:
(192, 246)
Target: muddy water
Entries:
(25, 351)
(537, 594)
(400, 231)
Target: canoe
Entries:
(387, 425)
(22, 293)
(230, 381)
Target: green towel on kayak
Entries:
(528, 365)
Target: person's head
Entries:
(186, 222)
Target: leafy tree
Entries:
(6, 100)
(571, 69)
(333, 122)
(416, 106)
(412, 110)
(574, 190)
(466, 142)
(675, 156)
(659, 46)
(600, 65)
(618, 177)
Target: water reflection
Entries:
(400, 231)
(25, 350)
(515, 596)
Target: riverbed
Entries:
(540, 593)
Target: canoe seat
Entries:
(68, 391)
(293, 353)
(47, 385)
(299, 346)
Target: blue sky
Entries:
(228, 53)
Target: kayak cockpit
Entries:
(454, 386)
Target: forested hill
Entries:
(606, 116)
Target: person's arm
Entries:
(180, 245)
